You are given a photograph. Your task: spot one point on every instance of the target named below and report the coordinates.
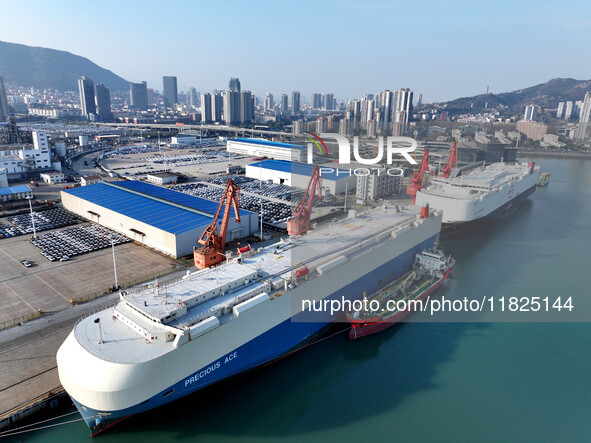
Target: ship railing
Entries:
(90, 314)
(110, 305)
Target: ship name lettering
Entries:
(202, 373)
(231, 356)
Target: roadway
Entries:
(218, 128)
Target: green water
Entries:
(425, 381)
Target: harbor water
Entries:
(463, 382)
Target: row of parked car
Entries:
(44, 220)
(7, 231)
(69, 242)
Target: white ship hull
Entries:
(107, 391)
(463, 208)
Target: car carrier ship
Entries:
(474, 194)
(391, 304)
(163, 342)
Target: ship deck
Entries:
(477, 181)
(123, 345)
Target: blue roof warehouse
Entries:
(264, 148)
(334, 181)
(166, 220)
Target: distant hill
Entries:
(49, 68)
(547, 95)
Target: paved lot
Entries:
(27, 353)
(49, 286)
(29, 369)
(129, 162)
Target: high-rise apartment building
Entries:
(170, 91)
(295, 102)
(583, 131)
(234, 84)
(103, 102)
(316, 101)
(367, 110)
(568, 110)
(402, 109)
(86, 91)
(269, 103)
(246, 107)
(321, 125)
(3, 102)
(284, 104)
(216, 107)
(193, 97)
(138, 96)
(206, 108)
(530, 113)
(577, 107)
(231, 107)
(386, 99)
(560, 110)
(329, 102)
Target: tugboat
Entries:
(389, 305)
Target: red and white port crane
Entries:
(300, 222)
(214, 243)
(451, 161)
(417, 178)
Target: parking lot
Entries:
(66, 243)
(135, 165)
(49, 286)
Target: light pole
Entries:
(261, 219)
(32, 217)
(114, 261)
(346, 189)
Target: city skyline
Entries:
(445, 51)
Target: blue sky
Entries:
(444, 49)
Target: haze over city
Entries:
(443, 49)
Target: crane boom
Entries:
(451, 161)
(213, 242)
(417, 178)
(300, 222)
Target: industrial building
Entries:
(183, 139)
(22, 160)
(53, 177)
(162, 178)
(334, 181)
(490, 153)
(90, 180)
(264, 148)
(166, 220)
(15, 193)
(3, 178)
(377, 184)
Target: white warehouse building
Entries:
(334, 181)
(264, 148)
(168, 221)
